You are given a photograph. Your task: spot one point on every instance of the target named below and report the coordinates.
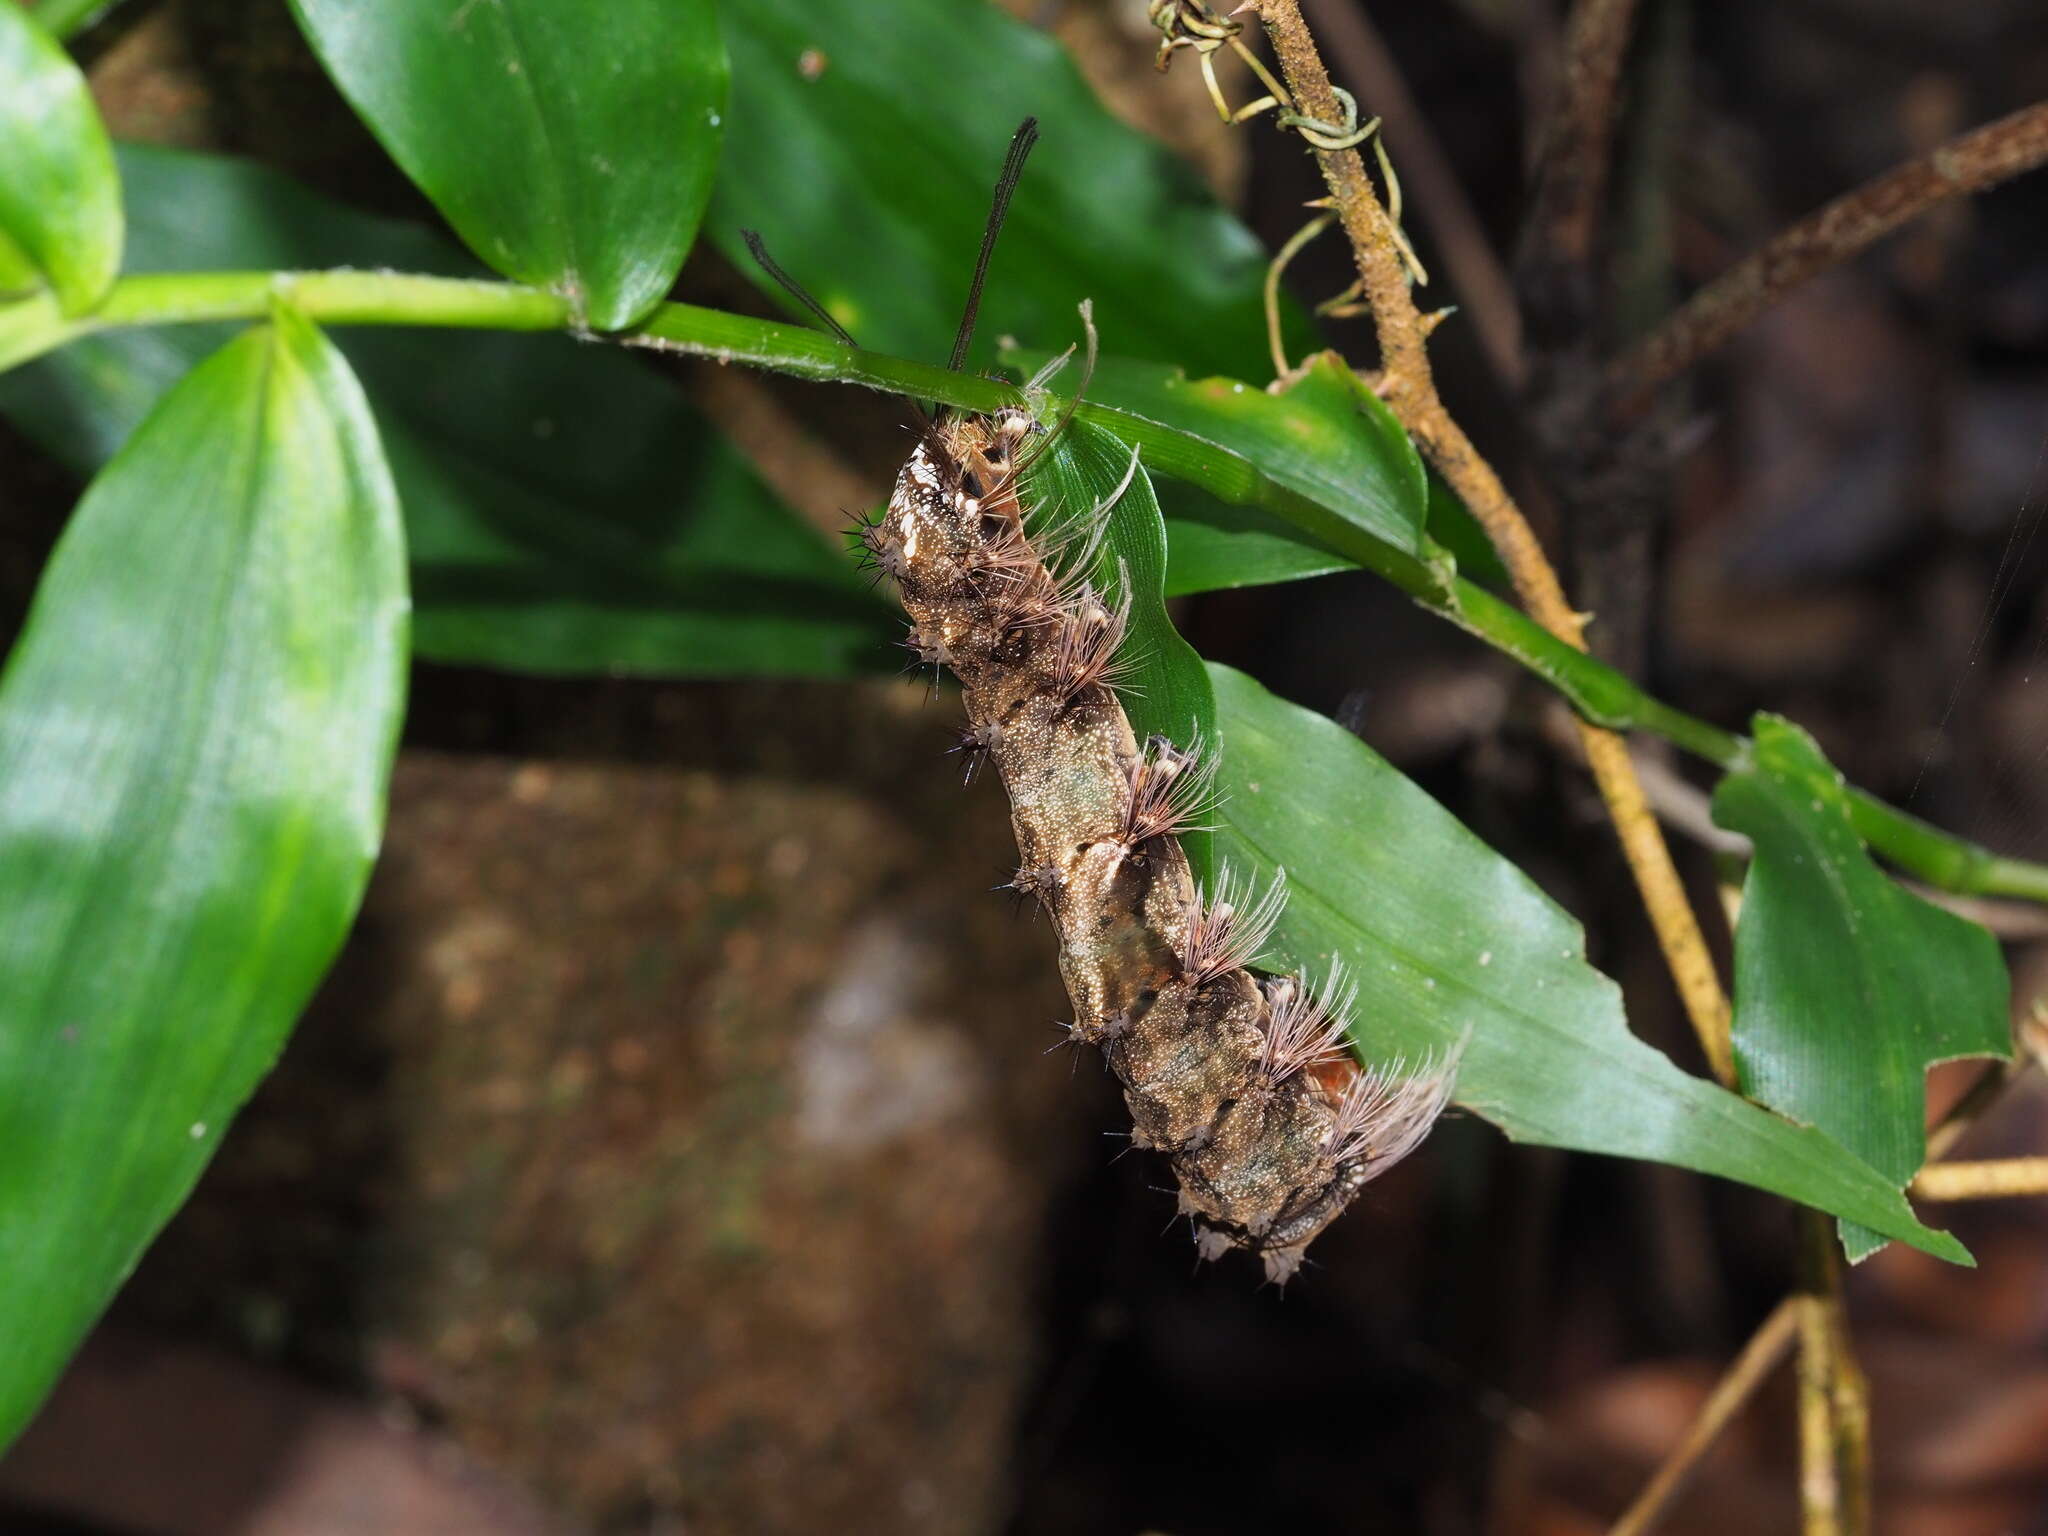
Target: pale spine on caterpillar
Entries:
(1243, 1084)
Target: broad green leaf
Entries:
(1213, 546)
(196, 731)
(1326, 436)
(1847, 986)
(865, 142)
(1444, 936)
(60, 200)
(572, 146)
(1166, 690)
(567, 510)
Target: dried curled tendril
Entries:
(1243, 1081)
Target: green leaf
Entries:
(1167, 689)
(1326, 436)
(1213, 546)
(1453, 526)
(60, 199)
(864, 146)
(572, 146)
(28, 328)
(567, 510)
(196, 732)
(1444, 936)
(1847, 986)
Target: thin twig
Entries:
(1820, 1492)
(1996, 1180)
(1969, 163)
(1987, 1090)
(797, 465)
(1553, 267)
(1758, 1358)
(1834, 1399)
(1481, 283)
(1410, 392)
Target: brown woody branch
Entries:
(1970, 163)
(1572, 166)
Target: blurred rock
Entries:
(677, 1139)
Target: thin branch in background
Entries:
(1409, 389)
(1481, 284)
(1987, 1090)
(1820, 1492)
(2001, 1179)
(1834, 1398)
(798, 466)
(1767, 1346)
(1554, 267)
(1969, 163)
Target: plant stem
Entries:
(1834, 1398)
(1596, 691)
(1764, 1350)
(1409, 389)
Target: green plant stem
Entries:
(1602, 695)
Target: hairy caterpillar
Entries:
(1243, 1082)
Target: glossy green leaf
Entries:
(567, 510)
(60, 200)
(864, 144)
(1444, 936)
(1166, 691)
(29, 327)
(196, 731)
(1848, 987)
(573, 147)
(1213, 546)
(1327, 438)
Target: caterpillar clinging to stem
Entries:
(1242, 1081)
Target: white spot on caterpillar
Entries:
(1486, 957)
(199, 1130)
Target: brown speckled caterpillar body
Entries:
(1244, 1083)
